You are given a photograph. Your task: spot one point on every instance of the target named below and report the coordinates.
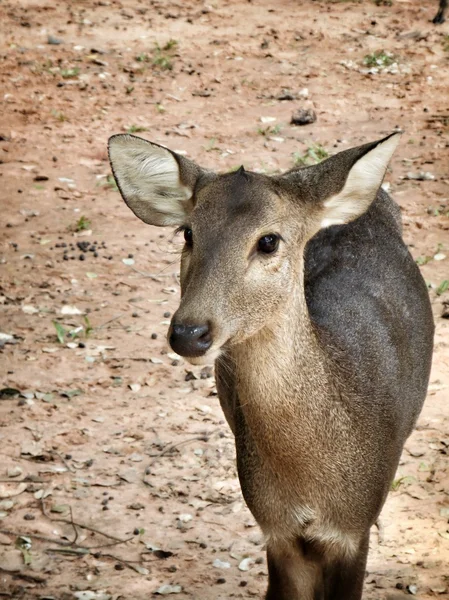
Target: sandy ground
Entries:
(111, 431)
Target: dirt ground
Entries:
(117, 474)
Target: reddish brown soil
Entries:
(87, 454)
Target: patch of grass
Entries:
(135, 129)
(109, 182)
(162, 61)
(211, 145)
(129, 89)
(82, 224)
(69, 73)
(143, 57)
(61, 332)
(161, 57)
(383, 2)
(267, 131)
(396, 484)
(423, 260)
(446, 43)
(88, 327)
(170, 45)
(312, 156)
(59, 115)
(443, 287)
(380, 58)
(64, 334)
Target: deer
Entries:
(439, 18)
(301, 290)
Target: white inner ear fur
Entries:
(148, 178)
(361, 186)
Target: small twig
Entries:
(149, 275)
(198, 438)
(171, 447)
(24, 576)
(112, 543)
(75, 524)
(36, 536)
(109, 321)
(63, 460)
(78, 551)
(73, 542)
(127, 563)
(137, 359)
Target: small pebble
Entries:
(303, 116)
(29, 517)
(119, 567)
(221, 580)
(154, 336)
(166, 315)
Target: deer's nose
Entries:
(190, 340)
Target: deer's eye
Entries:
(268, 243)
(188, 236)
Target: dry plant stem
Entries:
(168, 449)
(87, 527)
(84, 551)
(149, 275)
(63, 520)
(109, 321)
(36, 536)
(109, 544)
(64, 462)
(25, 576)
(77, 551)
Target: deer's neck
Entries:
(281, 374)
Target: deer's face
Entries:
(241, 260)
(244, 233)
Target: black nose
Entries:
(190, 340)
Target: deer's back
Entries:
(367, 297)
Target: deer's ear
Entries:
(156, 183)
(342, 188)
(362, 184)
